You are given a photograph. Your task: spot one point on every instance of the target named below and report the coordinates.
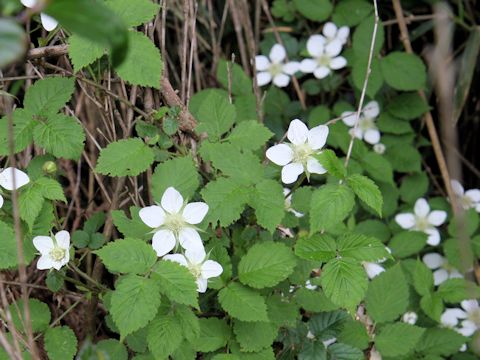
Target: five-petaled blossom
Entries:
(324, 57)
(332, 33)
(48, 22)
(468, 199)
(7, 179)
(443, 270)
(288, 203)
(469, 314)
(273, 68)
(410, 317)
(198, 264)
(423, 220)
(54, 251)
(366, 128)
(174, 222)
(298, 157)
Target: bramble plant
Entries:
(284, 208)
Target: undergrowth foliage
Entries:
(262, 235)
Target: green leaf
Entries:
(134, 12)
(266, 264)
(61, 136)
(362, 247)
(268, 201)
(134, 227)
(407, 243)
(351, 12)
(329, 160)
(231, 75)
(134, 303)
(344, 352)
(422, 278)
(50, 189)
(330, 205)
(313, 350)
(344, 281)
(316, 10)
(40, 315)
(314, 301)
(110, 349)
(359, 72)
(13, 41)
(176, 282)
(316, 247)
(377, 167)
(243, 303)
(164, 336)
(414, 187)
(23, 126)
(282, 312)
(256, 337)
(60, 343)
(128, 256)
(367, 191)
(387, 123)
(326, 324)
(398, 339)
(83, 52)
(215, 116)
(188, 321)
(143, 63)
(30, 203)
(387, 296)
(249, 135)
(354, 333)
(97, 23)
(214, 334)
(49, 95)
(408, 106)
(180, 173)
(455, 290)
(440, 341)
(128, 157)
(226, 200)
(362, 38)
(404, 158)
(432, 306)
(403, 71)
(8, 247)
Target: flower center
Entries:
(301, 153)
(422, 223)
(174, 223)
(57, 253)
(275, 69)
(323, 60)
(196, 270)
(366, 124)
(474, 316)
(466, 202)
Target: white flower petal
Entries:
(48, 22)
(7, 175)
(297, 132)
(317, 137)
(372, 136)
(281, 80)
(195, 212)
(29, 3)
(314, 167)
(178, 258)
(44, 263)
(263, 78)
(405, 220)
(450, 316)
(315, 45)
(189, 238)
(1, 201)
(211, 269)
(277, 53)
(349, 118)
(421, 207)
(473, 195)
(280, 154)
(469, 305)
(44, 244)
(373, 269)
(152, 216)
(439, 276)
(63, 239)
(291, 172)
(468, 328)
(202, 285)
(291, 68)
(172, 201)
(163, 242)
(457, 187)
(321, 72)
(333, 48)
(455, 274)
(308, 66)
(195, 255)
(437, 217)
(261, 63)
(433, 260)
(371, 110)
(343, 34)
(338, 62)
(433, 237)
(329, 30)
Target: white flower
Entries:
(202, 269)
(6, 180)
(310, 286)
(468, 199)
(48, 22)
(332, 33)
(54, 251)
(297, 157)
(410, 317)
(288, 203)
(423, 220)
(274, 67)
(470, 316)
(326, 343)
(379, 148)
(372, 269)
(443, 270)
(324, 57)
(366, 129)
(173, 222)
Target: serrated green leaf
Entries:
(214, 334)
(316, 10)
(134, 303)
(40, 315)
(313, 350)
(455, 290)
(377, 167)
(110, 349)
(189, 322)
(407, 106)
(176, 282)
(387, 296)
(8, 247)
(23, 125)
(362, 247)
(30, 203)
(60, 343)
(398, 339)
(164, 336)
(143, 64)
(404, 158)
(344, 281)
(362, 38)
(49, 95)
(407, 243)
(215, 116)
(134, 227)
(440, 341)
(354, 333)
(254, 338)
(249, 135)
(61, 136)
(282, 312)
(51, 189)
(367, 191)
(330, 204)
(231, 75)
(432, 306)
(266, 264)
(403, 71)
(133, 12)
(332, 163)
(268, 201)
(314, 301)
(344, 352)
(359, 72)
(243, 303)
(83, 52)
(389, 124)
(422, 278)
(316, 247)
(128, 157)
(327, 324)
(351, 12)
(128, 256)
